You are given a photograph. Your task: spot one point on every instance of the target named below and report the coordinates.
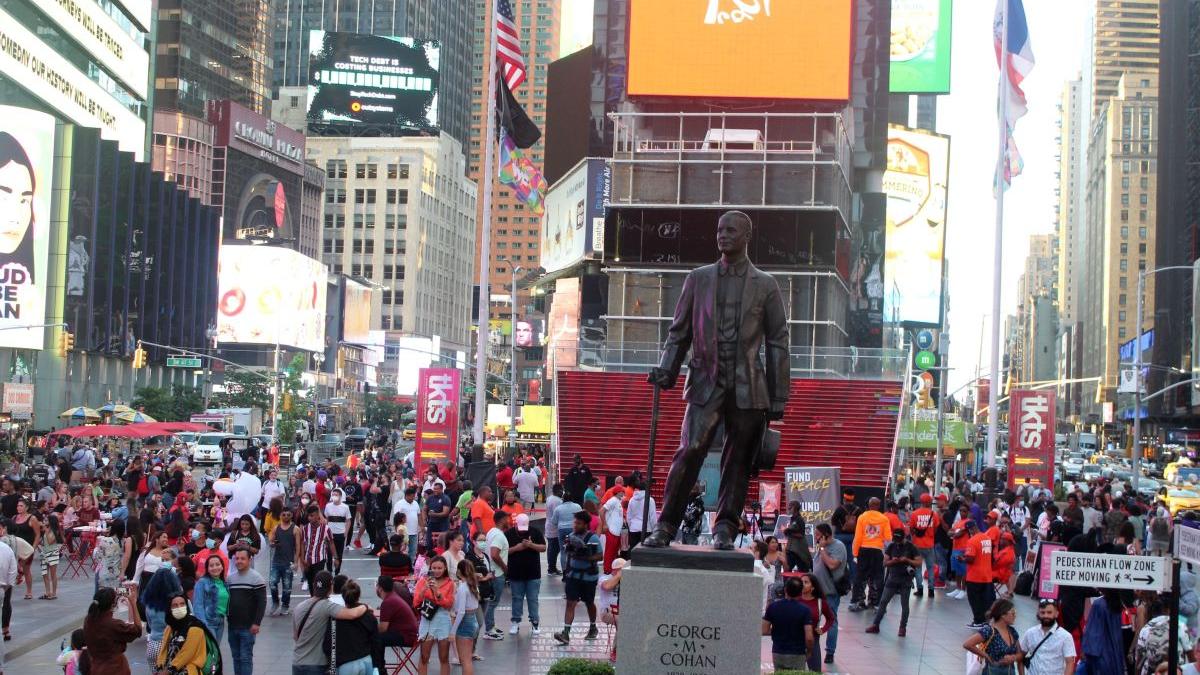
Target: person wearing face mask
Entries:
(156, 597)
(337, 514)
(195, 539)
(1049, 648)
(212, 547)
(271, 488)
(185, 644)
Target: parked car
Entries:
(330, 442)
(1072, 465)
(357, 438)
(1090, 472)
(1179, 498)
(207, 449)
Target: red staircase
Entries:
(605, 417)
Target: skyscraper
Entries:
(1070, 142)
(516, 231)
(210, 51)
(1125, 38)
(448, 21)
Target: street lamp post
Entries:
(211, 334)
(512, 389)
(319, 358)
(1137, 367)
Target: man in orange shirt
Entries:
(511, 506)
(618, 486)
(979, 574)
(871, 533)
(924, 523)
(482, 513)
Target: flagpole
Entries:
(485, 240)
(993, 390)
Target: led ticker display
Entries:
(373, 79)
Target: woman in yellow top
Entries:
(271, 518)
(185, 643)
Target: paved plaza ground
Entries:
(935, 632)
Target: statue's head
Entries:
(734, 230)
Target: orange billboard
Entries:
(776, 49)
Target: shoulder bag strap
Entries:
(305, 620)
(1039, 645)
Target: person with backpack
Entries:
(924, 524)
(830, 571)
(844, 520)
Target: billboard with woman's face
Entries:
(26, 172)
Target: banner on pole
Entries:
(1047, 589)
(769, 493)
(1031, 437)
(437, 415)
(817, 489)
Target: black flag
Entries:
(512, 118)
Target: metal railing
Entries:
(750, 160)
(806, 362)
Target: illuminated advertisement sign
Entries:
(1031, 437)
(920, 46)
(258, 136)
(741, 48)
(373, 79)
(27, 60)
(270, 295)
(563, 331)
(100, 35)
(437, 415)
(573, 226)
(915, 183)
(356, 315)
(26, 183)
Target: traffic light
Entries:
(139, 357)
(66, 342)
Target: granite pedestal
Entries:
(689, 610)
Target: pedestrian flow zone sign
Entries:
(1187, 543)
(1102, 570)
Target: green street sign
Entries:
(926, 359)
(183, 362)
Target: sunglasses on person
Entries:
(1044, 602)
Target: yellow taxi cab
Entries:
(1180, 497)
(1171, 469)
(410, 432)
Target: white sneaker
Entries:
(514, 629)
(536, 630)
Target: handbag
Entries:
(976, 665)
(427, 609)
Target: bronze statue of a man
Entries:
(725, 313)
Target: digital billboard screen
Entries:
(573, 225)
(271, 295)
(915, 182)
(356, 316)
(741, 49)
(26, 183)
(920, 46)
(373, 79)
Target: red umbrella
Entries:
(160, 428)
(123, 431)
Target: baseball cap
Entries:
(993, 515)
(619, 563)
(522, 522)
(926, 498)
(943, 498)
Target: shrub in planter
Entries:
(581, 667)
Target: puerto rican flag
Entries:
(1015, 56)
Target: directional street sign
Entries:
(1102, 570)
(183, 362)
(1187, 544)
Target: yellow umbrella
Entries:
(80, 413)
(115, 408)
(134, 417)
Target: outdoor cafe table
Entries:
(79, 550)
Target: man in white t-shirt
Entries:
(338, 514)
(526, 481)
(411, 509)
(497, 550)
(612, 517)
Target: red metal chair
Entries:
(408, 660)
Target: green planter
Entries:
(581, 667)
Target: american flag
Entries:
(508, 45)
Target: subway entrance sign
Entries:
(1101, 570)
(183, 362)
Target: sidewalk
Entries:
(36, 623)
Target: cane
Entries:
(650, 463)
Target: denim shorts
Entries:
(468, 627)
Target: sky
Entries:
(1058, 31)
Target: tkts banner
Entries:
(1031, 437)
(437, 415)
(818, 490)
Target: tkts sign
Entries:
(437, 415)
(1031, 437)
